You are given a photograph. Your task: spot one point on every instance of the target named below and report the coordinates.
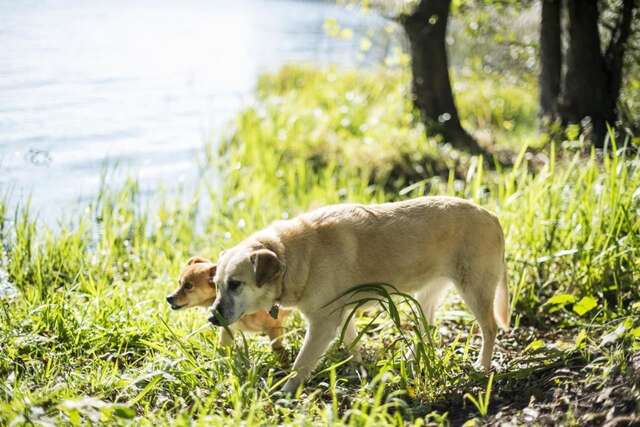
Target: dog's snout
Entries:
(216, 318)
(170, 299)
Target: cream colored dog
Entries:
(420, 246)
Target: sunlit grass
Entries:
(90, 338)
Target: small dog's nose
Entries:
(170, 299)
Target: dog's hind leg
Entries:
(478, 292)
(350, 337)
(430, 297)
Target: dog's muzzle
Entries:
(172, 303)
(217, 319)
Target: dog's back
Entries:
(399, 243)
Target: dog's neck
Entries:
(285, 239)
(208, 302)
(272, 241)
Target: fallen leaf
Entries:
(585, 305)
(561, 299)
(612, 337)
(535, 345)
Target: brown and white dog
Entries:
(197, 289)
(421, 246)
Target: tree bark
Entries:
(586, 91)
(614, 55)
(550, 58)
(426, 30)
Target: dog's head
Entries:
(247, 281)
(195, 285)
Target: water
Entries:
(140, 83)
(7, 290)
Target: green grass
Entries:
(89, 337)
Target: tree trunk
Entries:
(426, 30)
(550, 58)
(614, 55)
(586, 92)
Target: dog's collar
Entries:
(275, 309)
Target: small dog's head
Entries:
(246, 279)
(195, 286)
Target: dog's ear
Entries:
(212, 273)
(196, 260)
(266, 265)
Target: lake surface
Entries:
(142, 84)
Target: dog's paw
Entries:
(283, 356)
(356, 372)
(283, 400)
(290, 387)
(480, 368)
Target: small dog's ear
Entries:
(266, 265)
(212, 273)
(196, 260)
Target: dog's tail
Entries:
(501, 302)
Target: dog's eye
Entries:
(234, 284)
(188, 285)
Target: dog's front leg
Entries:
(226, 339)
(275, 334)
(320, 332)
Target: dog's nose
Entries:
(170, 299)
(214, 321)
(216, 318)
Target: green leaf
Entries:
(123, 411)
(582, 336)
(535, 345)
(564, 345)
(561, 299)
(635, 332)
(585, 305)
(572, 132)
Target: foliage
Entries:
(89, 338)
(500, 39)
(482, 400)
